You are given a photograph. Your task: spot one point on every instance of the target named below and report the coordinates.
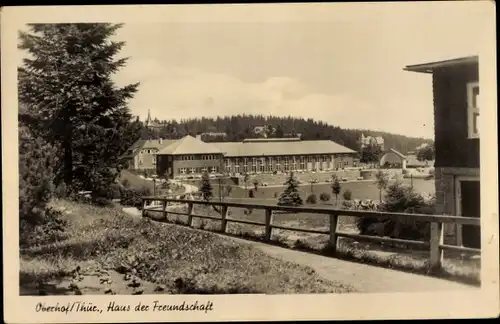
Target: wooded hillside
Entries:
(242, 126)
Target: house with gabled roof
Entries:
(371, 140)
(142, 154)
(393, 159)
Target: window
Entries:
(183, 170)
(193, 170)
(154, 159)
(237, 168)
(204, 170)
(473, 109)
(214, 169)
(346, 163)
(228, 168)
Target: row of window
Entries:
(194, 157)
(149, 151)
(278, 160)
(284, 167)
(198, 170)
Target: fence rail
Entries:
(435, 244)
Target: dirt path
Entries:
(363, 277)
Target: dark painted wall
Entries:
(453, 148)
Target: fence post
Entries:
(223, 221)
(165, 209)
(190, 214)
(436, 239)
(332, 243)
(269, 219)
(143, 207)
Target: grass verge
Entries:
(181, 259)
(455, 267)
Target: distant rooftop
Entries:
(270, 139)
(189, 145)
(430, 67)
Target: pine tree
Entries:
(206, 187)
(291, 196)
(72, 103)
(336, 189)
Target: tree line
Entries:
(239, 127)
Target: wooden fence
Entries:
(435, 244)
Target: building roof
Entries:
(271, 139)
(286, 147)
(146, 144)
(401, 155)
(430, 67)
(189, 145)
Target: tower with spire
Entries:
(148, 120)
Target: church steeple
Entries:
(148, 120)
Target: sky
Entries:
(339, 64)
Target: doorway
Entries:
(469, 205)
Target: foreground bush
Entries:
(399, 198)
(132, 197)
(36, 176)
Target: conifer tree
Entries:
(291, 196)
(206, 187)
(71, 101)
(336, 189)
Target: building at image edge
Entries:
(455, 88)
(191, 156)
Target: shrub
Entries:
(101, 201)
(132, 197)
(325, 196)
(347, 195)
(61, 191)
(399, 198)
(312, 199)
(37, 160)
(115, 191)
(126, 183)
(52, 230)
